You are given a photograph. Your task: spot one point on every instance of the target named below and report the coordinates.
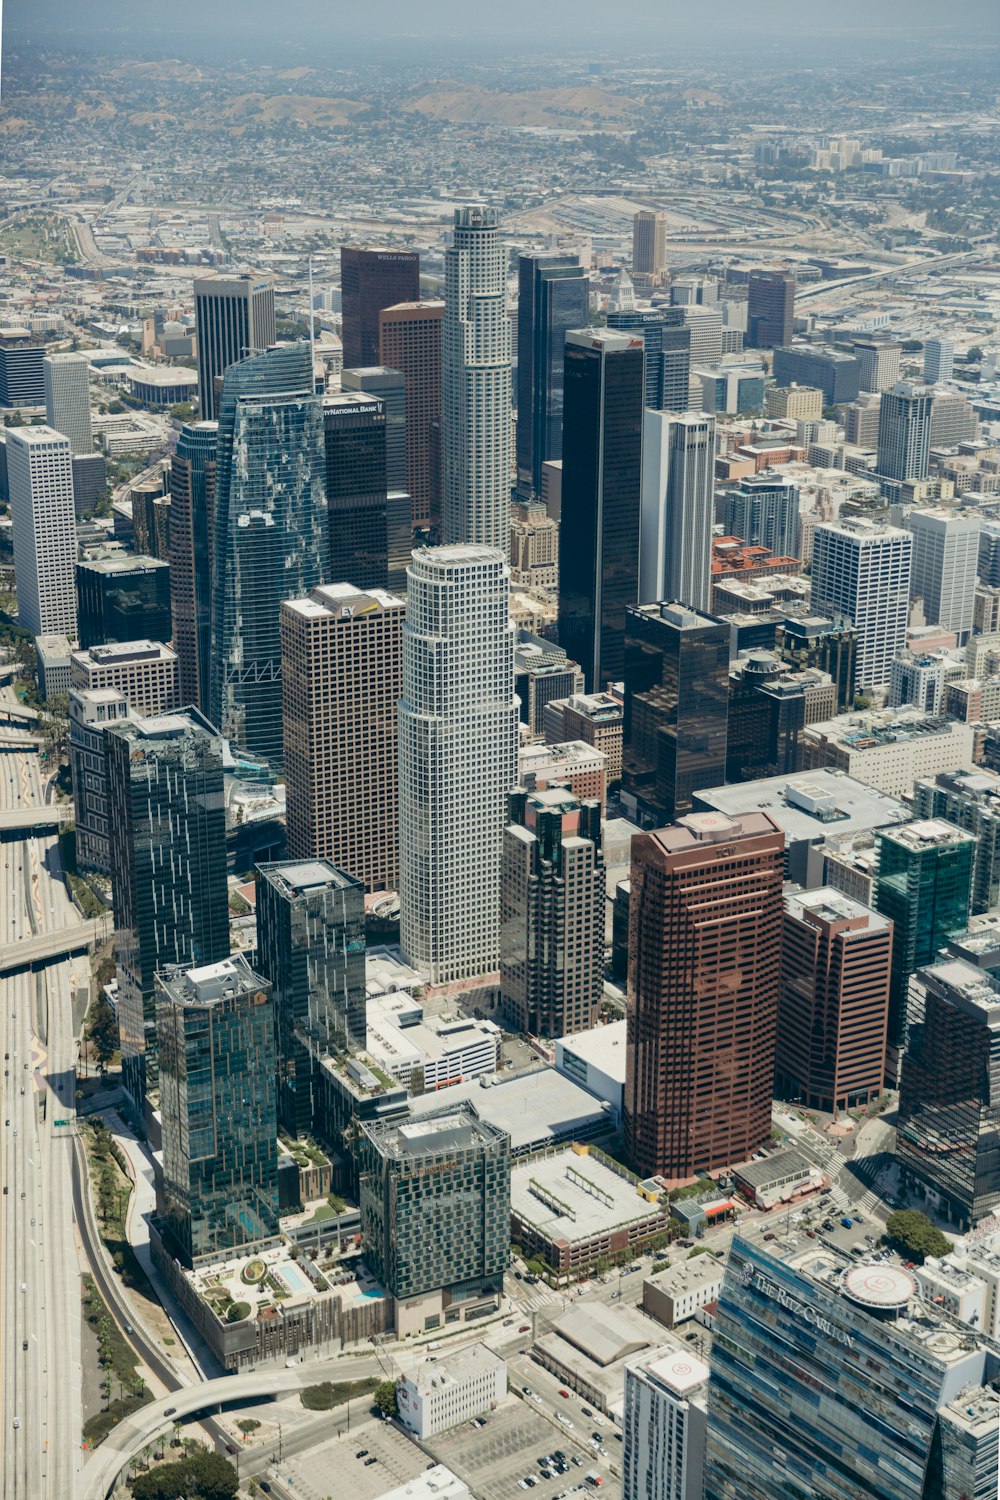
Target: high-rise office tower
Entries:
(678, 489)
(861, 570)
(311, 947)
(835, 1379)
(676, 707)
(22, 373)
(168, 869)
(192, 509)
(705, 326)
(369, 281)
(90, 713)
(67, 399)
(663, 1427)
(215, 1034)
(904, 432)
(601, 489)
(235, 318)
(878, 360)
(553, 298)
(939, 360)
(667, 346)
(123, 597)
(435, 1214)
(834, 1008)
(341, 672)
(704, 956)
(552, 913)
(947, 1141)
(475, 384)
(945, 562)
(271, 535)
(923, 882)
(969, 800)
(356, 489)
(763, 511)
(40, 482)
(457, 758)
(410, 341)
(833, 371)
(649, 244)
(389, 387)
(145, 671)
(770, 309)
(769, 706)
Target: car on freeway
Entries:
(370, 1461)
(565, 1395)
(24, 1344)
(170, 1411)
(524, 1328)
(17, 1423)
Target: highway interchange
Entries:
(40, 1289)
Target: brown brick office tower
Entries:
(704, 962)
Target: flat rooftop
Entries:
(930, 833)
(120, 653)
(571, 1197)
(535, 1109)
(809, 802)
(298, 877)
(702, 830)
(602, 1047)
(123, 562)
(679, 1371)
(831, 905)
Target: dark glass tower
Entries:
(215, 1027)
(168, 869)
(667, 342)
(553, 297)
(601, 488)
(192, 508)
(354, 433)
(271, 538)
(311, 946)
(123, 598)
(371, 280)
(234, 317)
(676, 709)
(770, 309)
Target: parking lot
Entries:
(332, 1468)
(493, 1459)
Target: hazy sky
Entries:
(640, 23)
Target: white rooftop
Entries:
(573, 1197)
(602, 1047)
(679, 1371)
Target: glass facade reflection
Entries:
(948, 1137)
(813, 1396)
(168, 869)
(192, 508)
(602, 476)
(123, 599)
(271, 535)
(553, 297)
(220, 1147)
(356, 490)
(676, 672)
(667, 342)
(311, 946)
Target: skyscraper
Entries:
(356, 489)
(602, 479)
(90, 713)
(939, 360)
(763, 511)
(770, 309)
(40, 481)
(676, 706)
(945, 562)
(475, 384)
(649, 244)
(389, 387)
(215, 1033)
(704, 954)
(457, 758)
(552, 913)
(904, 432)
(835, 960)
(235, 318)
(123, 597)
(663, 1428)
(271, 535)
(678, 489)
(435, 1214)
(878, 359)
(667, 346)
(923, 882)
(311, 946)
(67, 399)
(341, 672)
(192, 509)
(969, 800)
(553, 298)
(168, 869)
(410, 341)
(861, 570)
(369, 281)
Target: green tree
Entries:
(237, 1312)
(199, 1476)
(913, 1233)
(102, 1031)
(974, 354)
(385, 1398)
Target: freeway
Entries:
(75, 937)
(29, 820)
(39, 1290)
(888, 273)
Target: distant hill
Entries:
(559, 109)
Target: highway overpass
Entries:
(43, 947)
(33, 822)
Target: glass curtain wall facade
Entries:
(192, 511)
(667, 352)
(356, 490)
(553, 297)
(271, 535)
